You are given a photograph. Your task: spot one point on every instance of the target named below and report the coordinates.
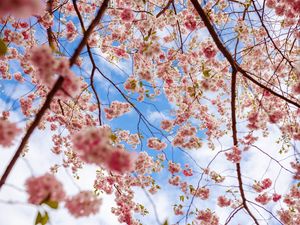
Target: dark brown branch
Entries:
(229, 57)
(164, 9)
(31, 128)
(52, 93)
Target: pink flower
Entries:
(276, 197)
(235, 155)
(266, 183)
(190, 23)
(209, 51)
(45, 187)
(71, 31)
(85, 203)
(202, 193)
(8, 132)
(120, 161)
(117, 109)
(44, 62)
(207, 217)
(93, 144)
(156, 144)
(21, 8)
(263, 199)
(223, 201)
(174, 167)
(127, 15)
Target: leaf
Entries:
(3, 48)
(51, 204)
(206, 73)
(38, 218)
(181, 197)
(42, 219)
(45, 219)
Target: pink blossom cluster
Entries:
(202, 192)
(235, 155)
(47, 66)
(156, 144)
(288, 8)
(45, 187)
(174, 167)
(263, 198)
(71, 31)
(186, 137)
(143, 163)
(21, 8)
(178, 210)
(117, 109)
(166, 125)
(264, 184)
(207, 217)
(208, 50)
(94, 145)
(8, 132)
(291, 215)
(223, 201)
(296, 166)
(85, 203)
(127, 15)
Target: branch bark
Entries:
(229, 57)
(52, 93)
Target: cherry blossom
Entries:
(45, 187)
(8, 132)
(85, 203)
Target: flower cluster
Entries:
(263, 198)
(21, 8)
(235, 155)
(186, 138)
(8, 132)
(85, 203)
(223, 201)
(94, 145)
(45, 187)
(47, 66)
(207, 217)
(117, 109)
(264, 184)
(156, 144)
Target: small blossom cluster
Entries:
(156, 144)
(71, 31)
(235, 155)
(21, 8)
(47, 66)
(85, 203)
(174, 167)
(186, 138)
(8, 132)
(264, 184)
(187, 171)
(117, 109)
(207, 217)
(209, 50)
(45, 187)
(202, 192)
(94, 145)
(288, 8)
(263, 198)
(223, 201)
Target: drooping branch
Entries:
(52, 93)
(229, 57)
(235, 142)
